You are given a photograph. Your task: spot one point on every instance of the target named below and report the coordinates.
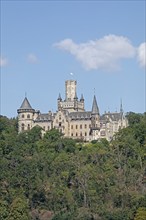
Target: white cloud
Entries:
(104, 53)
(141, 54)
(3, 62)
(32, 58)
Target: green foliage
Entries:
(19, 210)
(54, 177)
(140, 214)
(4, 210)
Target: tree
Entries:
(19, 210)
(140, 214)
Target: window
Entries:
(89, 126)
(76, 134)
(76, 126)
(85, 133)
(81, 134)
(28, 127)
(71, 126)
(28, 116)
(71, 134)
(23, 116)
(22, 127)
(59, 124)
(85, 126)
(80, 126)
(48, 128)
(59, 117)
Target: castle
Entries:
(71, 118)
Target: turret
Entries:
(59, 100)
(95, 123)
(25, 116)
(82, 98)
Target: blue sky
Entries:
(101, 42)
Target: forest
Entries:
(58, 178)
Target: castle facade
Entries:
(71, 118)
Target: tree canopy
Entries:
(58, 178)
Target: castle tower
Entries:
(71, 102)
(95, 114)
(70, 90)
(25, 116)
(95, 120)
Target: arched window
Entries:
(76, 134)
(28, 127)
(28, 116)
(22, 127)
(85, 133)
(22, 115)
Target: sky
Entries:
(101, 44)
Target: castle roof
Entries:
(80, 115)
(25, 104)
(95, 109)
(111, 116)
(43, 117)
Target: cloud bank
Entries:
(3, 62)
(104, 53)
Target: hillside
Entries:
(63, 179)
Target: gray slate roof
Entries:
(43, 117)
(111, 116)
(25, 104)
(95, 109)
(80, 115)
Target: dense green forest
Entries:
(57, 178)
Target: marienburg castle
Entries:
(71, 118)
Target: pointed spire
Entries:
(121, 107)
(59, 97)
(121, 110)
(82, 97)
(25, 104)
(95, 109)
